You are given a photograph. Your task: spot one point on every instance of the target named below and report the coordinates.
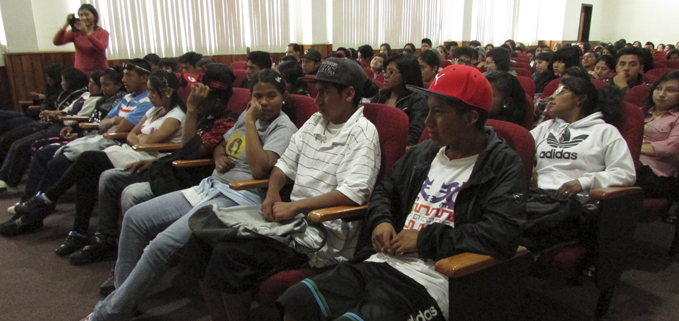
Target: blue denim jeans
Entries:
(143, 259)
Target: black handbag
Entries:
(165, 178)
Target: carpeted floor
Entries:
(35, 284)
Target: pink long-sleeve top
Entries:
(663, 134)
(90, 51)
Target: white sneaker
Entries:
(11, 210)
(6, 189)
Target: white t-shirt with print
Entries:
(149, 127)
(434, 204)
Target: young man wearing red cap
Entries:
(454, 193)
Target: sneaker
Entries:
(102, 249)
(18, 226)
(75, 241)
(107, 287)
(11, 210)
(88, 318)
(34, 203)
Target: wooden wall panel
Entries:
(25, 72)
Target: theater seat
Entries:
(239, 101)
(239, 65)
(310, 87)
(671, 64)
(528, 85)
(241, 74)
(652, 75)
(638, 95)
(522, 71)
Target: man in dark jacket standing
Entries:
(458, 192)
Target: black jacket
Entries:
(488, 208)
(414, 105)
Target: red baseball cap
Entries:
(461, 83)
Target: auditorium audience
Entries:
(564, 58)
(90, 40)
(168, 64)
(365, 55)
(463, 56)
(256, 61)
(673, 54)
(153, 61)
(402, 70)
(188, 62)
(589, 60)
(498, 60)
(398, 280)
(293, 74)
(342, 173)
(160, 124)
(385, 48)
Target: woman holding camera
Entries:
(89, 39)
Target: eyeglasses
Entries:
(459, 61)
(130, 66)
(389, 72)
(560, 89)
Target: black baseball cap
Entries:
(340, 71)
(312, 54)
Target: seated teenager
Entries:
(249, 150)
(118, 113)
(498, 60)
(450, 48)
(293, 74)
(18, 157)
(466, 173)
(377, 65)
(630, 68)
(426, 44)
(402, 70)
(294, 50)
(603, 67)
(657, 175)
(385, 49)
(153, 60)
(429, 65)
(509, 99)
(463, 56)
(565, 58)
(589, 60)
(73, 83)
(443, 51)
(10, 119)
(581, 149)
(160, 124)
(311, 60)
(365, 54)
(256, 61)
(334, 160)
(673, 54)
(188, 64)
(660, 47)
(168, 64)
(208, 118)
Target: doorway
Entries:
(585, 22)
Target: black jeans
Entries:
(46, 170)
(84, 173)
(657, 186)
(18, 156)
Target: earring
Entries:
(168, 96)
(504, 106)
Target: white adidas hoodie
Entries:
(589, 150)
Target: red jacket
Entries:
(90, 51)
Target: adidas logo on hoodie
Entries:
(563, 143)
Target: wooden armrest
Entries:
(408, 147)
(338, 212)
(468, 263)
(115, 135)
(152, 147)
(76, 118)
(608, 193)
(34, 107)
(193, 162)
(248, 184)
(89, 125)
(25, 102)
